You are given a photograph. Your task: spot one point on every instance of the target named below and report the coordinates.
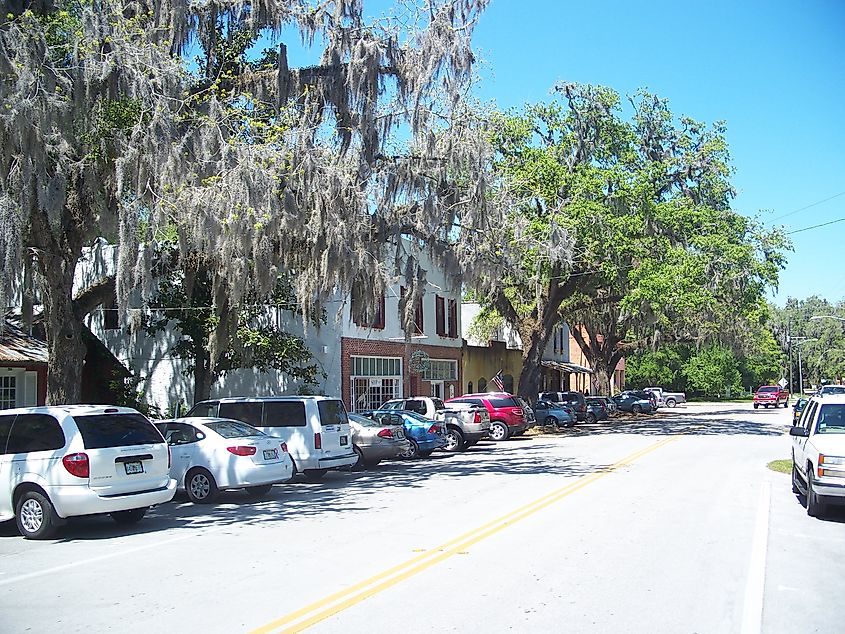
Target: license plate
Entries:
(133, 467)
(343, 440)
(400, 433)
(270, 454)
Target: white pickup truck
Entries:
(465, 424)
(669, 399)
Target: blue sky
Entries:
(773, 71)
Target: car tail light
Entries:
(385, 433)
(284, 447)
(77, 465)
(477, 418)
(241, 450)
(318, 441)
(434, 429)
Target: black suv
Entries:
(575, 400)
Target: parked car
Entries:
(375, 441)
(424, 434)
(465, 424)
(633, 403)
(508, 416)
(818, 453)
(669, 399)
(609, 404)
(64, 461)
(554, 414)
(798, 408)
(770, 396)
(831, 389)
(575, 400)
(596, 410)
(315, 428)
(651, 397)
(210, 455)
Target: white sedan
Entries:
(211, 454)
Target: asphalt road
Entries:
(664, 523)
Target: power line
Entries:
(824, 224)
(808, 206)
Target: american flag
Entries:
(497, 381)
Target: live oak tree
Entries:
(627, 229)
(107, 127)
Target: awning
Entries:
(573, 368)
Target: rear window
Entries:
(34, 432)
(116, 430)
(503, 402)
(284, 414)
(244, 411)
(438, 404)
(234, 429)
(332, 413)
(207, 409)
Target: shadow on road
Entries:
(338, 493)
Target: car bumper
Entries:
(430, 445)
(338, 462)
(476, 432)
(75, 500)
(384, 451)
(256, 475)
(830, 492)
(518, 427)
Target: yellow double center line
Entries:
(324, 608)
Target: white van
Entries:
(64, 461)
(315, 428)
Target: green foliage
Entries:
(485, 325)
(662, 367)
(713, 372)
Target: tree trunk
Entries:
(202, 374)
(533, 347)
(65, 347)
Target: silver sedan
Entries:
(374, 442)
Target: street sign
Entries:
(782, 383)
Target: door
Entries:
(6, 510)
(336, 435)
(438, 389)
(799, 443)
(286, 420)
(185, 452)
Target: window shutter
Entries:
(453, 318)
(440, 315)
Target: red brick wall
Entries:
(413, 385)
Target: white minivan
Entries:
(69, 460)
(315, 428)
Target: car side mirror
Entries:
(799, 431)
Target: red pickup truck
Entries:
(771, 395)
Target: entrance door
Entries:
(437, 389)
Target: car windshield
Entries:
(363, 421)
(234, 429)
(769, 388)
(833, 389)
(831, 419)
(416, 417)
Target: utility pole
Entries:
(799, 341)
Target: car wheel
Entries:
(314, 475)
(132, 516)
(454, 440)
(258, 491)
(795, 476)
(361, 464)
(200, 486)
(636, 409)
(498, 431)
(35, 516)
(670, 402)
(591, 418)
(814, 508)
(426, 453)
(413, 450)
(550, 421)
(756, 405)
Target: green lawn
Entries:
(781, 466)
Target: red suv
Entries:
(509, 415)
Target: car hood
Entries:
(831, 444)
